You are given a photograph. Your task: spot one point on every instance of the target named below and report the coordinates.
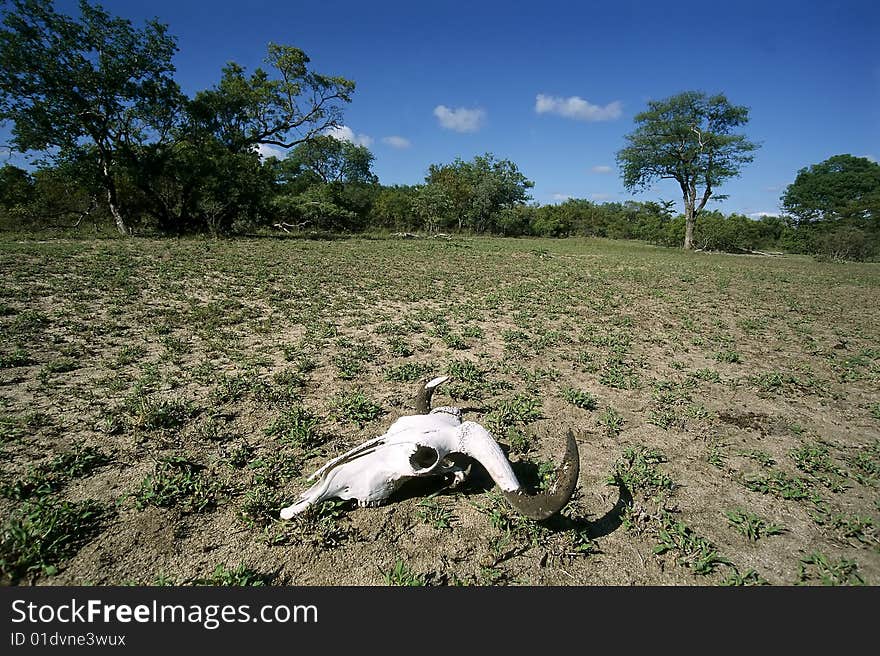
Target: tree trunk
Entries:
(112, 200)
(689, 222)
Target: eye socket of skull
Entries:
(425, 457)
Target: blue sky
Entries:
(436, 81)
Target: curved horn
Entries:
(426, 391)
(475, 441)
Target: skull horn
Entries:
(426, 391)
(475, 441)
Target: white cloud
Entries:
(758, 215)
(601, 168)
(397, 142)
(600, 196)
(460, 119)
(345, 133)
(577, 108)
(559, 198)
(267, 150)
(870, 157)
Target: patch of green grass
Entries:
(580, 398)
(241, 576)
(296, 426)
(761, 457)
(18, 357)
(706, 375)
(782, 485)
(516, 529)
(42, 532)
(817, 566)
(348, 367)
(409, 372)
(322, 526)
(854, 527)
(178, 482)
(517, 411)
(716, 457)
(751, 526)
(750, 578)
(400, 574)
(431, 512)
(356, 408)
(520, 441)
(866, 464)
(617, 373)
(160, 413)
(637, 470)
(814, 459)
(468, 380)
(694, 551)
(611, 420)
(728, 357)
(51, 476)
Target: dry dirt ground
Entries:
(161, 400)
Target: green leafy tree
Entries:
(688, 138)
(326, 159)
(292, 108)
(842, 188)
(393, 207)
(96, 86)
(16, 187)
(478, 191)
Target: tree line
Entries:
(121, 144)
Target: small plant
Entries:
(818, 565)
(580, 398)
(518, 411)
(716, 456)
(16, 358)
(853, 527)
(356, 408)
(750, 578)
(175, 482)
(408, 372)
(240, 576)
(761, 457)
(637, 470)
(694, 551)
(780, 484)
(402, 575)
(348, 367)
(729, 357)
(752, 526)
(611, 420)
(520, 441)
(296, 426)
(154, 414)
(321, 525)
(39, 534)
(433, 513)
(50, 477)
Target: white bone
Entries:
(414, 446)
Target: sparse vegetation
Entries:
(205, 420)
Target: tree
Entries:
(326, 159)
(295, 108)
(479, 190)
(96, 87)
(842, 188)
(687, 138)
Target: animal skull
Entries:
(430, 444)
